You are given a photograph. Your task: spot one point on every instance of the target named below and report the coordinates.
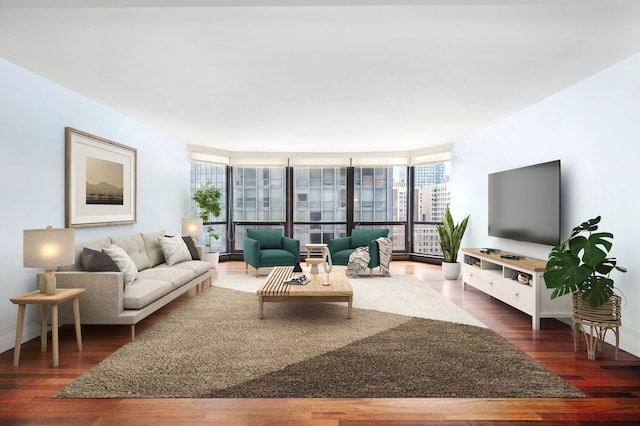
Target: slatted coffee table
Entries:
(275, 290)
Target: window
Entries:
(320, 207)
(431, 183)
(202, 173)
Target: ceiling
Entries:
(318, 75)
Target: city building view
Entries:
(319, 207)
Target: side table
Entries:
(37, 298)
(315, 261)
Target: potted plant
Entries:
(209, 200)
(450, 237)
(581, 266)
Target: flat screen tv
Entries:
(524, 203)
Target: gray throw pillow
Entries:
(97, 261)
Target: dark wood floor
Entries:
(613, 386)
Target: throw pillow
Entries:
(192, 248)
(175, 250)
(97, 261)
(124, 262)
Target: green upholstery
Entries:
(265, 248)
(341, 248)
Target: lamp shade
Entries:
(48, 248)
(192, 226)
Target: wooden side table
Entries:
(315, 261)
(37, 298)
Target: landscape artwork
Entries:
(100, 179)
(104, 182)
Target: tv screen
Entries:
(524, 203)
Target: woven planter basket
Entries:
(599, 320)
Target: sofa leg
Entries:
(256, 272)
(246, 268)
(133, 332)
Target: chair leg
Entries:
(246, 268)
(256, 272)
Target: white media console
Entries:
(498, 277)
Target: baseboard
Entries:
(30, 331)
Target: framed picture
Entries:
(100, 181)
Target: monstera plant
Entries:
(582, 264)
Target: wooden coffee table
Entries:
(275, 290)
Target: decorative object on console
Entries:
(581, 266)
(48, 248)
(209, 200)
(450, 239)
(100, 181)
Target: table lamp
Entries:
(48, 248)
(192, 226)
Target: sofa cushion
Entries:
(134, 246)
(362, 237)
(124, 262)
(95, 245)
(174, 249)
(198, 267)
(143, 292)
(97, 261)
(153, 248)
(175, 276)
(341, 257)
(268, 238)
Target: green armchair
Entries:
(264, 248)
(341, 248)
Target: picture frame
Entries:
(100, 181)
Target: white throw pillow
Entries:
(124, 262)
(174, 249)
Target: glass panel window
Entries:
(320, 196)
(259, 199)
(431, 198)
(202, 173)
(377, 194)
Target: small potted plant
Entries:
(209, 200)
(450, 238)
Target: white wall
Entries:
(33, 115)
(593, 127)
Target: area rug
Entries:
(399, 294)
(216, 347)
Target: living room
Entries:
(591, 126)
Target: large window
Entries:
(202, 173)
(431, 197)
(259, 200)
(319, 204)
(316, 204)
(380, 201)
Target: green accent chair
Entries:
(265, 248)
(341, 248)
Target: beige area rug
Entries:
(398, 294)
(216, 347)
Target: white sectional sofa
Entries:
(108, 300)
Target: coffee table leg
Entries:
(260, 307)
(350, 301)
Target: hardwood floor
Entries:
(613, 387)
